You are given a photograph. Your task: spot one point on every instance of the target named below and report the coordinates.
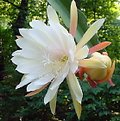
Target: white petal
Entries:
(53, 104)
(62, 29)
(19, 60)
(32, 51)
(33, 87)
(47, 38)
(23, 32)
(28, 35)
(75, 87)
(56, 38)
(40, 37)
(35, 38)
(76, 104)
(18, 52)
(25, 65)
(28, 42)
(47, 35)
(82, 52)
(40, 82)
(76, 92)
(50, 94)
(52, 15)
(61, 76)
(37, 24)
(90, 32)
(25, 80)
(64, 41)
(29, 53)
(44, 79)
(73, 66)
(67, 39)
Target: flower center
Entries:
(64, 58)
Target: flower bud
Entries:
(99, 68)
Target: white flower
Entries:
(49, 54)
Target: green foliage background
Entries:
(99, 104)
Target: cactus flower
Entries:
(49, 54)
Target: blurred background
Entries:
(99, 104)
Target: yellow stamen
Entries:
(64, 58)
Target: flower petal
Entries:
(23, 32)
(31, 66)
(33, 87)
(36, 91)
(111, 71)
(90, 32)
(77, 105)
(53, 104)
(52, 15)
(75, 86)
(37, 38)
(44, 79)
(50, 94)
(25, 65)
(92, 63)
(82, 52)
(27, 43)
(73, 67)
(65, 41)
(99, 47)
(38, 83)
(103, 58)
(25, 80)
(60, 78)
(59, 35)
(76, 93)
(29, 53)
(40, 37)
(17, 52)
(73, 18)
(37, 24)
